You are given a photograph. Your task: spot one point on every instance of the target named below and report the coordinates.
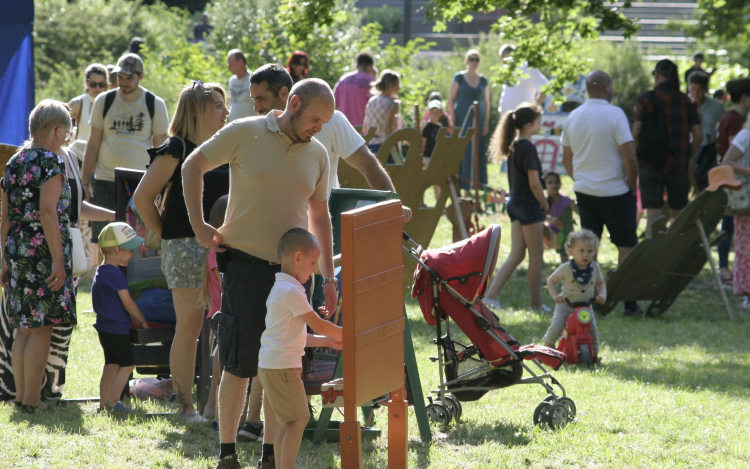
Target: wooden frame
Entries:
(372, 265)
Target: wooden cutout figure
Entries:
(411, 181)
(660, 267)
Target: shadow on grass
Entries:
(66, 419)
(475, 433)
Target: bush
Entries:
(391, 19)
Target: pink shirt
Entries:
(352, 93)
(214, 285)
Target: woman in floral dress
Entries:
(37, 250)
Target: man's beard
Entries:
(295, 136)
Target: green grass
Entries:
(673, 393)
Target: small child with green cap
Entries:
(115, 310)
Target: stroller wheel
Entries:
(570, 406)
(454, 404)
(540, 414)
(557, 416)
(584, 356)
(439, 412)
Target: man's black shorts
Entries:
(617, 213)
(118, 349)
(652, 184)
(104, 196)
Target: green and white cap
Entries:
(120, 234)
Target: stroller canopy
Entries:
(466, 266)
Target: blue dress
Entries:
(464, 99)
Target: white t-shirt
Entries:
(525, 91)
(594, 132)
(742, 142)
(127, 131)
(341, 140)
(283, 342)
(241, 104)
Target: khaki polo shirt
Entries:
(271, 181)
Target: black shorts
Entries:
(617, 213)
(104, 196)
(118, 349)
(654, 182)
(525, 209)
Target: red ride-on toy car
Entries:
(576, 341)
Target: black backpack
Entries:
(653, 139)
(109, 98)
(705, 161)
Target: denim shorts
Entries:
(104, 196)
(525, 209)
(182, 262)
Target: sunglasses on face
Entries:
(473, 59)
(96, 84)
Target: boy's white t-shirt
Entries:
(283, 342)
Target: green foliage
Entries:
(390, 18)
(626, 66)
(720, 25)
(260, 29)
(551, 42)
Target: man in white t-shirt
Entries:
(239, 86)
(270, 85)
(527, 90)
(598, 154)
(124, 123)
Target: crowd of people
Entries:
(226, 251)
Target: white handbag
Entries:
(80, 263)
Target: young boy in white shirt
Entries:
(283, 342)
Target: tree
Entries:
(547, 33)
(721, 25)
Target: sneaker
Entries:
(543, 309)
(270, 464)
(633, 312)
(193, 417)
(229, 462)
(490, 303)
(120, 407)
(250, 431)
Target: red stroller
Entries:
(449, 283)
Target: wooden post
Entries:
(477, 136)
(398, 430)
(417, 120)
(717, 276)
(457, 206)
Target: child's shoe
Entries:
(120, 407)
(229, 462)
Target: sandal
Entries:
(727, 280)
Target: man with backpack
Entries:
(125, 122)
(665, 121)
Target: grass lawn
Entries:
(673, 393)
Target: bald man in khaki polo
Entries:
(278, 177)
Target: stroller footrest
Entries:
(548, 356)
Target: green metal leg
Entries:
(325, 413)
(412, 374)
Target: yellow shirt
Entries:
(271, 181)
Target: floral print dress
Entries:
(30, 303)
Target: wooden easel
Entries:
(372, 289)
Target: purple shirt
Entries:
(111, 316)
(352, 93)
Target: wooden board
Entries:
(6, 152)
(411, 181)
(373, 268)
(660, 267)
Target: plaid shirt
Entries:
(682, 115)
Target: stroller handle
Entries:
(408, 239)
(579, 304)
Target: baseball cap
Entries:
(435, 104)
(129, 64)
(119, 234)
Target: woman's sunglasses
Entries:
(473, 59)
(97, 84)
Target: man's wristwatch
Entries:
(332, 280)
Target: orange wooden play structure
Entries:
(372, 290)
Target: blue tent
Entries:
(16, 70)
